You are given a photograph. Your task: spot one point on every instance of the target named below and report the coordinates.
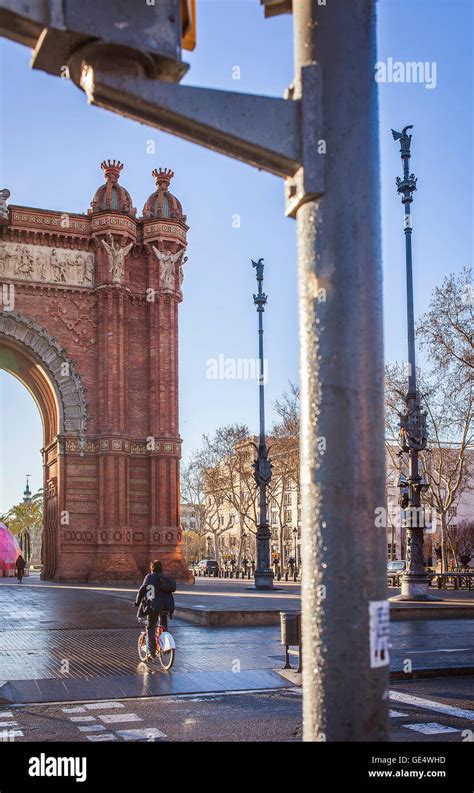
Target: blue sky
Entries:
(52, 143)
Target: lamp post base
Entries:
(263, 579)
(415, 587)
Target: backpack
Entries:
(167, 584)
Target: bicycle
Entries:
(165, 646)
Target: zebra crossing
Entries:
(130, 720)
(100, 727)
(9, 728)
(432, 728)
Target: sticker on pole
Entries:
(379, 617)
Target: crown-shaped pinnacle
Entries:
(163, 177)
(111, 168)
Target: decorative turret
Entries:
(27, 491)
(112, 196)
(163, 204)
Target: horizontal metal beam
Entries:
(259, 130)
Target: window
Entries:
(274, 518)
(288, 515)
(452, 512)
(288, 499)
(231, 520)
(221, 520)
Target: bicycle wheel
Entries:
(166, 659)
(142, 651)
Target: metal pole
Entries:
(341, 362)
(262, 465)
(413, 433)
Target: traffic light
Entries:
(273, 8)
(188, 24)
(152, 34)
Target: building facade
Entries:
(89, 324)
(232, 515)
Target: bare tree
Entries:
(445, 333)
(446, 330)
(463, 539)
(447, 462)
(285, 455)
(192, 491)
(227, 457)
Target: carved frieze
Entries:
(45, 264)
(164, 229)
(61, 222)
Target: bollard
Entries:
(290, 625)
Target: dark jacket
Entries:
(152, 595)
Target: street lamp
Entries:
(262, 465)
(295, 537)
(413, 432)
(25, 534)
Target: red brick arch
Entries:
(90, 326)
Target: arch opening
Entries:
(36, 359)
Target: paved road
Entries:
(428, 711)
(435, 709)
(73, 643)
(53, 632)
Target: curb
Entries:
(294, 677)
(219, 618)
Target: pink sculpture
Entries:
(9, 552)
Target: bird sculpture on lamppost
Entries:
(262, 464)
(413, 433)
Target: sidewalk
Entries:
(68, 643)
(232, 602)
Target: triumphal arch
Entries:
(89, 324)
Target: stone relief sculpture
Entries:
(181, 271)
(24, 261)
(57, 267)
(4, 211)
(3, 261)
(116, 256)
(167, 262)
(42, 263)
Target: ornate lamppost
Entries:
(25, 534)
(413, 432)
(262, 465)
(295, 551)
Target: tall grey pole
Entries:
(413, 432)
(341, 362)
(335, 201)
(262, 465)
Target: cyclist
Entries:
(20, 568)
(156, 602)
